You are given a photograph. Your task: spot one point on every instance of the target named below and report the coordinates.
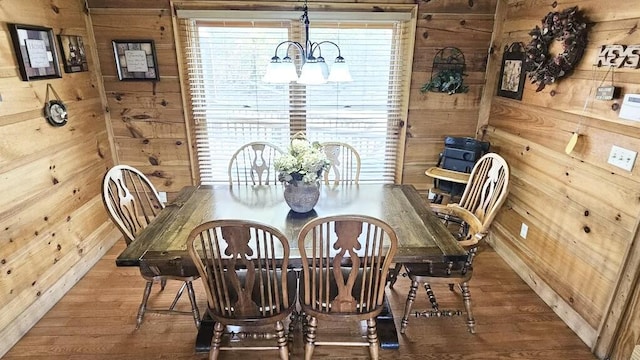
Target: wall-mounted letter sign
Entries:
(619, 56)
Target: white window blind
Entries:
(231, 105)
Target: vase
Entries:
(302, 197)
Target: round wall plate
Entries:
(55, 112)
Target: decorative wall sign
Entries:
(512, 73)
(35, 51)
(619, 56)
(607, 92)
(570, 28)
(74, 57)
(136, 59)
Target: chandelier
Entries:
(314, 68)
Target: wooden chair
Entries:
(252, 164)
(243, 266)
(470, 219)
(132, 203)
(345, 260)
(345, 163)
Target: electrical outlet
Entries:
(622, 158)
(523, 230)
(163, 196)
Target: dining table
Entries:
(422, 237)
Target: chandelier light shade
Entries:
(314, 69)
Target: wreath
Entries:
(567, 26)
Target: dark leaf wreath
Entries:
(568, 27)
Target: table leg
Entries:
(205, 334)
(387, 334)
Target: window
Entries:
(231, 105)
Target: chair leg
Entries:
(407, 306)
(393, 274)
(218, 330)
(372, 336)
(194, 304)
(178, 295)
(432, 297)
(466, 298)
(283, 342)
(143, 305)
(294, 318)
(310, 337)
(163, 283)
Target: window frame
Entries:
(215, 12)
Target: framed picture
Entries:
(512, 74)
(74, 57)
(35, 50)
(136, 59)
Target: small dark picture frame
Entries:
(512, 73)
(35, 50)
(74, 57)
(136, 60)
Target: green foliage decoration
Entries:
(448, 81)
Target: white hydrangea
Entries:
(299, 146)
(304, 161)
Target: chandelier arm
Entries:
(290, 43)
(316, 45)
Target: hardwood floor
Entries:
(96, 321)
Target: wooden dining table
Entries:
(421, 235)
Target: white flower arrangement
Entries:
(304, 161)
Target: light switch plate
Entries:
(622, 158)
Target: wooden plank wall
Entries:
(53, 226)
(467, 25)
(147, 117)
(580, 254)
